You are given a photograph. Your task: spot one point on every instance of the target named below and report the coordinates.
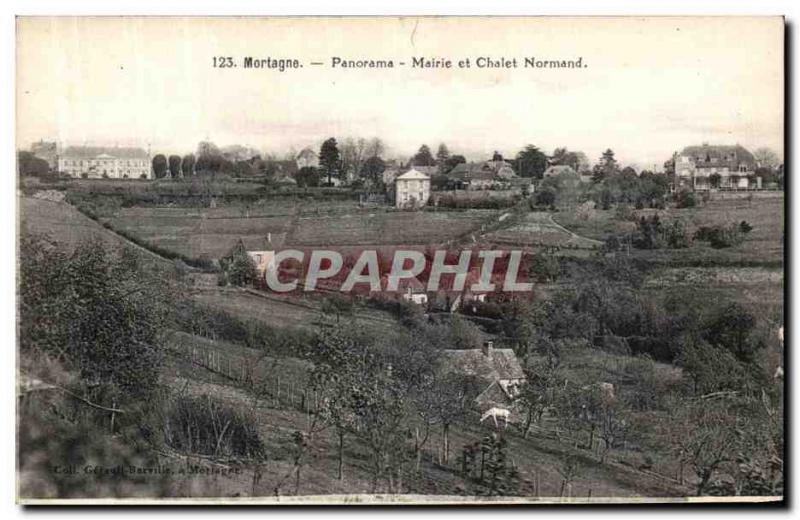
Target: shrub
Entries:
(685, 199)
(723, 236)
(625, 213)
(677, 235)
(203, 425)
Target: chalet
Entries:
(498, 368)
(711, 166)
(485, 175)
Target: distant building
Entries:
(95, 162)
(412, 189)
(307, 158)
(485, 175)
(498, 368)
(47, 151)
(707, 166)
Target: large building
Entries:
(412, 189)
(707, 166)
(96, 162)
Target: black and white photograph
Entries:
(400, 260)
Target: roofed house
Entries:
(498, 368)
(714, 166)
(307, 158)
(484, 175)
(412, 189)
(94, 162)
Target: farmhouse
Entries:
(709, 166)
(94, 162)
(412, 189)
(485, 175)
(498, 368)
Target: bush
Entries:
(203, 425)
(723, 236)
(685, 199)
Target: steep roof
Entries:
(503, 363)
(413, 174)
(307, 153)
(719, 155)
(90, 152)
(427, 170)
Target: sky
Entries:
(649, 87)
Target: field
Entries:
(280, 412)
(763, 246)
(210, 233)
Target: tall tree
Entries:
(423, 157)
(531, 162)
(330, 158)
(372, 170)
(159, 166)
(442, 154)
(187, 165)
(606, 167)
(175, 166)
(353, 153)
(375, 147)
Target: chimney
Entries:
(488, 347)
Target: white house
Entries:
(412, 189)
(96, 162)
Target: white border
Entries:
(789, 8)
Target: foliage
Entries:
(187, 165)
(30, 165)
(159, 166)
(423, 157)
(204, 425)
(97, 310)
(531, 162)
(329, 158)
(606, 167)
(545, 268)
(174, 166)
(685, 199)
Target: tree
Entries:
(175, 166)
(531, 162)
(159, 166)
(330, 159)
(353, 153)
(730, 328)
(715, 179)
(187, 165)
(98, 311)
(606, 167)
(497, 156)
(766, 158)
(423, 157)
(30, 165)
(706, 440)
(442, 155)
(375, 148)
(453, 161)
(239, 267)
(373, 169)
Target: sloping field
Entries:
(66, 225)
(538, 459)
(764, 244)
(368, 228)
(539, 229)
(210, 233)
(286, 311)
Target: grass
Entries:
(536, 458)
(763, 246)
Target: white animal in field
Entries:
(780, 335)
(496, 412)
